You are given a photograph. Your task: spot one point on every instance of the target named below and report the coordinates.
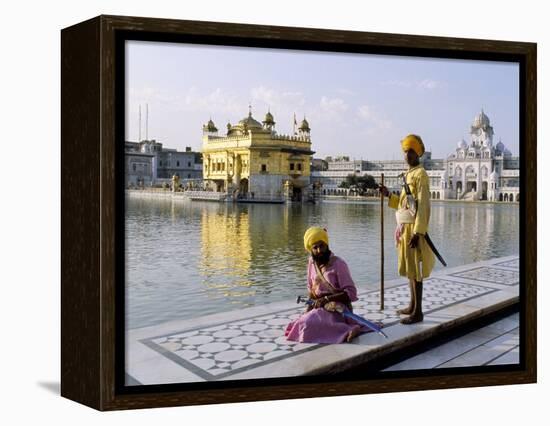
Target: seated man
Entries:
(331, 287)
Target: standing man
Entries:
(415, 257)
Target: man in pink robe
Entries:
(332, 289)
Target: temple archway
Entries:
(484, 187)
(243, 186)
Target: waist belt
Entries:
(404, 216)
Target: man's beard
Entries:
(321, 259)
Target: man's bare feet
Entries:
(413, 319)
(406, 311)
(352, 335)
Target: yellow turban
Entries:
(314, 235)
(413, 142)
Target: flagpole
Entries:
(382, 246)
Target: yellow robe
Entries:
(415, 263)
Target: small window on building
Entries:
(291, 166)
(264, 167)
(299, 166)
(189, 176)
(178, 163)
(134, 167)
(189, 164)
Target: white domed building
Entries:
(480, 170)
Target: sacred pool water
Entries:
(187, 258)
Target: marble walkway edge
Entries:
(250, 343)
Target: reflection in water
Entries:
(186, 259)
(225, 252)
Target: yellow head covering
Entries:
(413, 142)
(314, 235)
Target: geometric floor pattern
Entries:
(510, 263)
(225, 349)
(492, 275)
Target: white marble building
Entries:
(148, 162)
(478, 170)
(139, 169)
(482, 170)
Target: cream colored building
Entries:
(252, 161)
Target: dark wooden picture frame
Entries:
(92, 349)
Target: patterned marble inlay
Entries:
(492, 275)
(219, 351)
(509, 264)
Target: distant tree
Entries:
(367, 182)
(350, 180)
(361, 183)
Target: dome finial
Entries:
(268, 120)
(250, 109)
(210, 126)
(304, 127)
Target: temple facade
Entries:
(251, 160)
(481, 169)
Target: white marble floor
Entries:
(493, 344)
(250, 343)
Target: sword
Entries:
(426, 236)
(434, 250)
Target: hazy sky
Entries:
(357, 105)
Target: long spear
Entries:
(382, 246)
